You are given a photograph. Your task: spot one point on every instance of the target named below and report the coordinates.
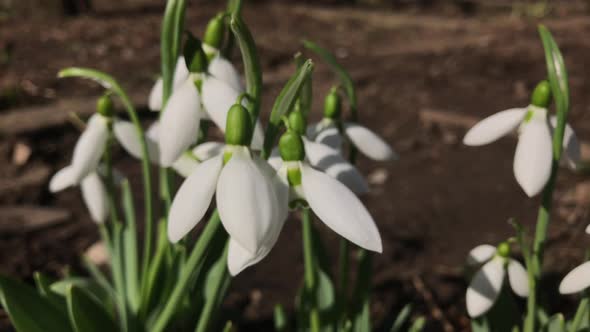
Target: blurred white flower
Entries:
(578, 279)
(487, 282)
(534, 151)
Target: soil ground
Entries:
(432, 206)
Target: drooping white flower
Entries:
(534, 151)
(577, 279)
(486, 285)
(245, 196)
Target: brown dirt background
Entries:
(432, 206)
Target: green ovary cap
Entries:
(104, 106)
(503, 249)
(332, 104)
(215, 31)
(297, 122)
(541, 96)
(291, 146)
(238, 128)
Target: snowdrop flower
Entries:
(486, 285)
(297, 183)
(84, 165)
(324, 158)
(245, 196)
(201, 96)
(578, 279)
(219, 66)
(331, 130)
(534, 151)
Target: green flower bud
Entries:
(238, 128)
(196, 60)
(503, 249)
(104, 106)
(291, 146)
(297, 122)
(541, 96)
(214, 32)
(332, 104)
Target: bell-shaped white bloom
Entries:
(486, 285)
(87, 153)
(577, 280)
(95, 197)
(245, 199)
(224, 70)
(534, 151)
(180, 74)
(366, 141)
(329, 161)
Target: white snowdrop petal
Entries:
(518, 278)
(330, 137)
(225, 71)
(571, 156)
(275, 160)
(340, 209)
(532, 159)
(155, 98)
(153, 131)
(179, 124)
(95, 197)
(63, 179)
(485, 288)
(208, 150)
(331, 162)
(481, 254)
(185, 165)
(494, 127)
(245, 202)
(368, 143)
(126, 135)
(588, 229)
(193, 198)
(181, 73)
(218, 97)
(312, 130)
(577, 280)
(90, 147)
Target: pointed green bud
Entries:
(196, 60)
(332, 104)
(238, 128)
(104, 106)
(297, 122)
(503, 249)
(541, 96)
(215, 31)
(291, 146)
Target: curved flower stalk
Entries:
(331, 131)
(486, 285)
(577, 279)
(296, 183)
(324, 158)
(244, 190)
(534, 151)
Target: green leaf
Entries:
(402, 318)
(29, 311)
(361, 297)
(130, 249)
(171, 38)
(342, 74)
(306, 95)
(86, 313)
(284, 104)
(60, 287)
(280, 319)
(418, 325)
(43, 284)
(480, 324)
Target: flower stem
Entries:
(580, 314)
(191, 266)
(218, 287)
(310, 270)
